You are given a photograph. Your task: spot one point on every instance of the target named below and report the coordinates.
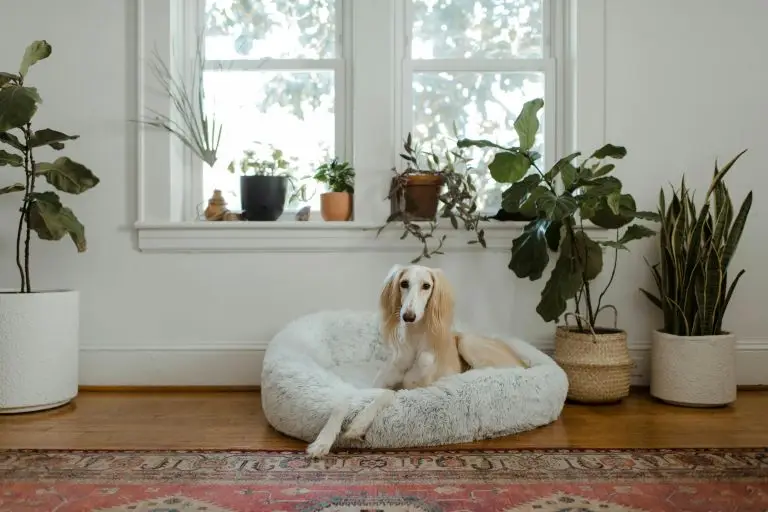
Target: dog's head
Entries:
(413, 294)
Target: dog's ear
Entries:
(389, 300)
(441, 304)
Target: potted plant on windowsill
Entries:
(264, 185)
(337, 203)
(415, 190)
(693, 360)
(561, 200)
(39, 339)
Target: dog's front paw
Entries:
(318, 449)
(355, 432)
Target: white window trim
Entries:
(163, 176)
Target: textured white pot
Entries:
(39, 344)
(694, 371)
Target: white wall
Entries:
(686, 83)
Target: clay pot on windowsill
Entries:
(420, 193)
(336, 206)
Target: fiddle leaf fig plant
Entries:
(559, 201)
(41, 212)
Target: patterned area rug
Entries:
(510, 481)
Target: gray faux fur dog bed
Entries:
(322, 358)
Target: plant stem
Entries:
(31, 188)
(613, 273)
(23, 211)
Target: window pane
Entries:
(279, 29)
(292, 111)
(485, 29)
(483, 106)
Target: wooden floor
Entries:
(233, 420)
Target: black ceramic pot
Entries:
(263, 197)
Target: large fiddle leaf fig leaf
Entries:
(509, 167)
(527, 123)
(563, 284)
(556, 208)
(562, 165)
(610, 151)
(16, 187)
(17, 106)
(588, 254)
(50, 137)
(6, 78)
(68, 175)
(51, 220)
(479, 143)
(7, 158)
(34, 53)
(604, 217)
(530, 255)
(12, 140)
(514, 196)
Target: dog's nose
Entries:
(409, 316)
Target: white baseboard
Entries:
(218, 364)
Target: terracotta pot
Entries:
(694, 371)
(336, 206)
(421, 195)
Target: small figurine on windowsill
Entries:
(217, 209)
(303, 214)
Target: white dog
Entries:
(416, 305)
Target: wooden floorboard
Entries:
(234, 420)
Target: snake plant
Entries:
(695, 252)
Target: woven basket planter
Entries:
(597, 363)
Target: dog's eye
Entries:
(426, 286)
(404, 284)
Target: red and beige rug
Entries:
(486, 481)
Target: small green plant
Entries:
(41, 212)
(560, 201)
(275, 165)
(197, 130)
(695, 252)
(339, 176)
(457, 200)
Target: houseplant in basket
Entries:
(264, 185)
(560, 201)
(336, 204)
(692, 358)
(39, 341)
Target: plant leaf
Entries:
(605, 218)
(527, 123)
(529, 251)
(588, 254)
(68, 176)
(7, 158)
(636, 232)
(51, 138)
(479, 143)
(16, 187)
(561, 165)
(563, 284)
(509, 167)
(17, 106)
(513, 197)
(12, 140)
(654, 299)
(51, 221)
(6, 78)
(610, 151)
(602, 171)
(555, 207)
(35, 52)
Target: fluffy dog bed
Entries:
(323, 358)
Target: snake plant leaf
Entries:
(610, 151)
(513, 197)
(17, 106)
(7, 158)
(527, 123)
(530, 256)
(35, 52)
(509, 167)
(727, 301)
(737, 229)
(654, 299)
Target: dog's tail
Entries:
(482, 352)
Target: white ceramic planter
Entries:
(694, 371)
(39, 345)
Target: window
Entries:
(273, 75)
(351, 78)
(474, 63)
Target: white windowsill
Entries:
(312, 236)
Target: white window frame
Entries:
(375, 117)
